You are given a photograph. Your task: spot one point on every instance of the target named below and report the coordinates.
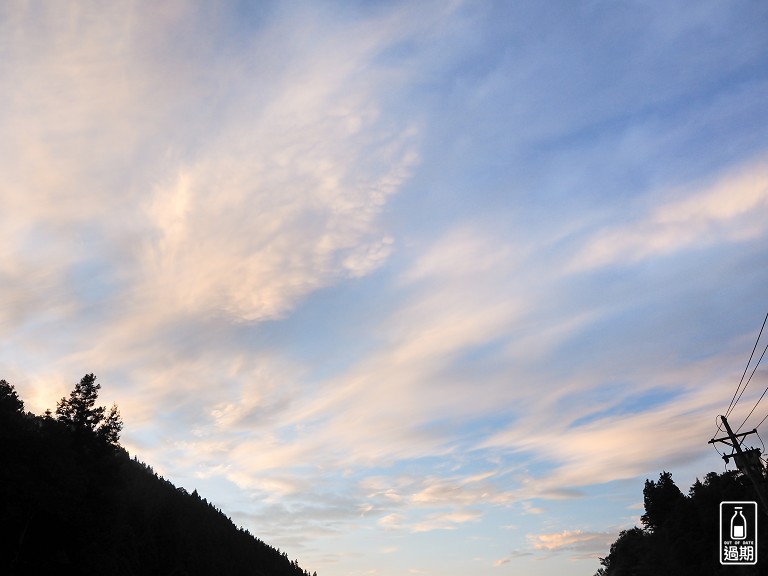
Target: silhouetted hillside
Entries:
(72, 501)
(680, 534)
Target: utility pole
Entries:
(747, 461)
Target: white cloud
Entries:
(284, 199)
(732, 209)
(440, 520)
(392, 521)
(121, 157)
(613, 445)
(529, 508)
(460, 490)
(586, 544)
(446, 520)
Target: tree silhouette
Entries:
(626, 555)
(111, 426)
(660, 500)
(9, 399)
(80, 413)
(681, 533)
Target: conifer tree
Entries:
(111, 426)
(81, 414)
(660, 499)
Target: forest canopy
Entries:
(680, 533)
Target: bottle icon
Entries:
(738, 525)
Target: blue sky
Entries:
(403, 287)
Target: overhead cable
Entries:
(735, 400)
(761, 395)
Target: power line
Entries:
(745, 387)
(735, 400)
(749, 461)
(761, 421)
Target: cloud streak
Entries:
(584, 544)
(732, 209)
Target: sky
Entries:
(404, 288)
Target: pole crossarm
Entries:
(727, 438)
(747, 461)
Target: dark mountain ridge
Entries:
(72, 501)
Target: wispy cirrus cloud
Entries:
(617, 437)
(447, 520)
(248, 220)
(578, 543)
(133, 195)
(732, 209)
